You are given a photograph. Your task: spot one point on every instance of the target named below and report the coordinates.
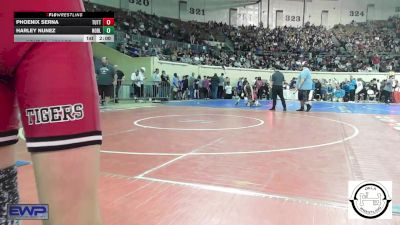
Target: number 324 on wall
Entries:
(356, 13)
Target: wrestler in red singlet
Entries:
(51, 84)
(53, 87)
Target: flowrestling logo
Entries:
(371, 200)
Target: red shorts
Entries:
(52, 85)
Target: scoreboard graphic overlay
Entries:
(64, 27)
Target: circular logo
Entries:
(370, 200)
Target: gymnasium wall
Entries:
(338, 11)
(195, 10)
(125, 63)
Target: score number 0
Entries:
(108, 21)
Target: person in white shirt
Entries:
(360, 90)
(196, 87)
(228, 91)
(138, 82)
(156, 82)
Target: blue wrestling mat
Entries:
(334, 107)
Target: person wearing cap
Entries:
(277, 80)
(304, 85)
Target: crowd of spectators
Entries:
(373, 46)
(220, 87)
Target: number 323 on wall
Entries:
(293, 18)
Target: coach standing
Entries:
(277, 80)
(120, 78)
(304, 86)
(105, 75)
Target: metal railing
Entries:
(145, 92)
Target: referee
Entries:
(277, 89)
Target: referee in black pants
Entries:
(277, 80)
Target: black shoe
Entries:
(272, 109)
(309, 107)
(116, 101)
(284, 109)
(300, 110)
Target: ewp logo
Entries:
(27, 212)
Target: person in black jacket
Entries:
(317, 92)
(214, 84)
(120, 78)
(185, 87)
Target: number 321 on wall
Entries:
(197, 11)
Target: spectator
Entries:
(156, 82)
(165, 86)
(175, 86)
(227, 79)
(292, 84)
(342, 48)
(196, 86)
(191, 83)
(214, 86)
(258, 89)
(318, 90)
(206, 86)
(361, 93)
(185, 87)
(376, 60)
(201, 91)
(221, 85)
(388, 90)
(228, 91)
(352, 88)
(138, 81)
